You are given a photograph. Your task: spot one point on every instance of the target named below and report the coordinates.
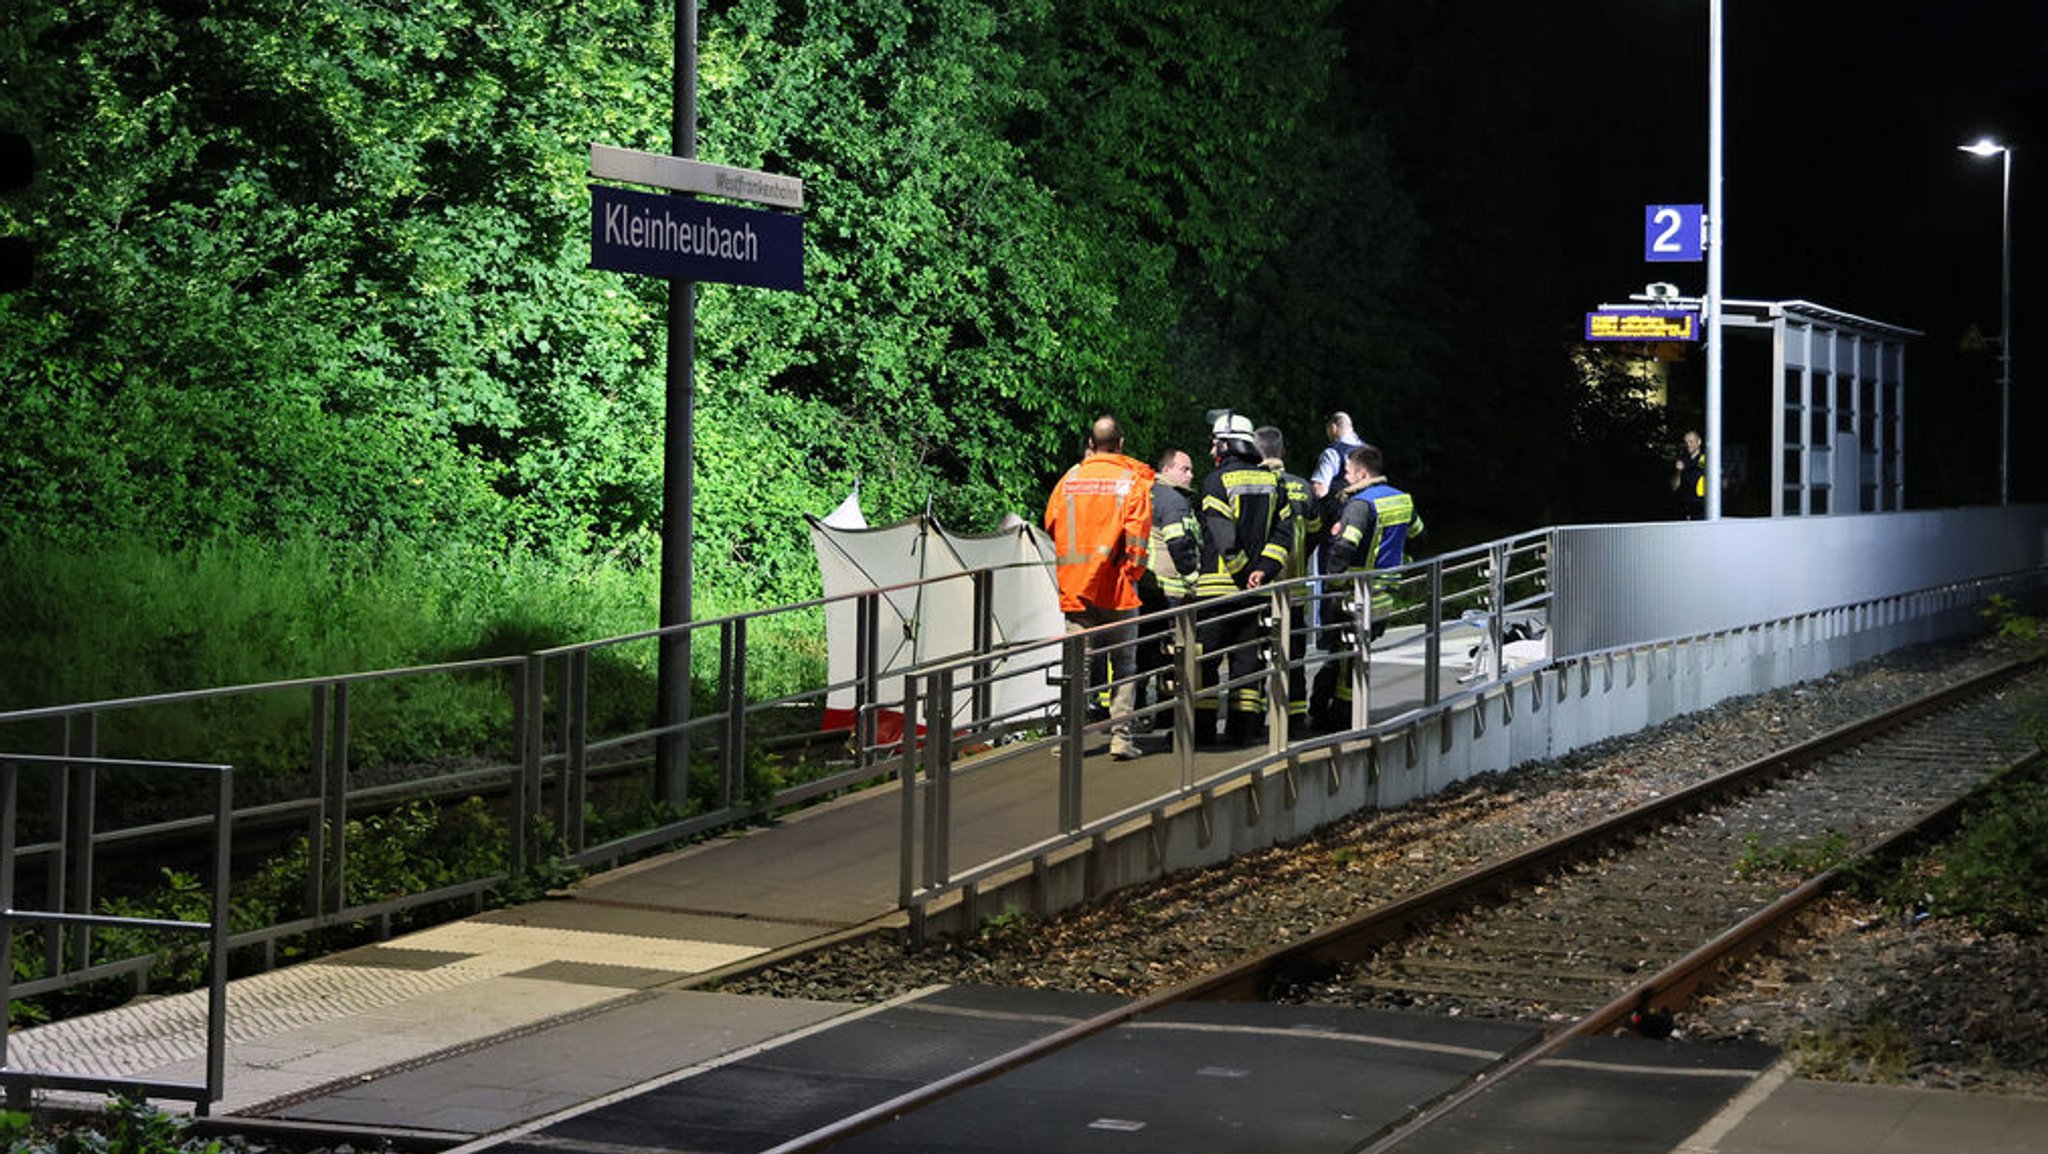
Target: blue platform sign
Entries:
(1673, 232)
(695, 240)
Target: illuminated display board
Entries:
(1642, 325)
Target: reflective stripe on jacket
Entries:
(1100, 518)
(1308, 527)
(1245, 526)
(1176, 540)
(1372, 533)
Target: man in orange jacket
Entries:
(1100, 518)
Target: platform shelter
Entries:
(1838, 388)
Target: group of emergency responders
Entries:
(1133, 538)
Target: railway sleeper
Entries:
(1512, 970)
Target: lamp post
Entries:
(1715, 247)
(1989, 147)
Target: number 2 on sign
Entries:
(1669, 220)
(1671, 232)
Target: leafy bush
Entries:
(1994, 874)
(129, 1126)
(412, 849)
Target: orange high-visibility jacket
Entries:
(1100, 518)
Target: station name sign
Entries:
(685, 239)
(1642, 325)
(682, 238)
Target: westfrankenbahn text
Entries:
(661, 232)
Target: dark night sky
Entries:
(1843, 182)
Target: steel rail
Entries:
(1252, 978)
(1672, 988)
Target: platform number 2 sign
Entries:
(1673, 232)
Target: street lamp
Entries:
(1988, 147)
(1716, 246)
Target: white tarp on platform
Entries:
(934, 621)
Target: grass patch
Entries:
(1993, 874)
(1879, 1050)
(124, 618)
(1804, 857)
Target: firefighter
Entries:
(1372, 523)
(1301, 545)
(1247, 530)
(1175, 555)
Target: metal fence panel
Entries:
(1622, 585)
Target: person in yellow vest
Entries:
(1689, 479)
(1100, 519)
(1371, 525)
(1247, 529)
(1306, 539)
(1175, 556)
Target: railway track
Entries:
(1608, 927)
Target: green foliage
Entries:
(420, 847)
(1012, 924)
(1879, 1050)
(340, 292)
(333, 296)
(1994, 873)
(181, 957)
(337, 285)
(128, 1126)
(1622, 444)
(124, 618)
(1804, 856)
(2012, 624)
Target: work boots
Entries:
(1243, 730)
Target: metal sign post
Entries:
(685, 241)
(1716, 242)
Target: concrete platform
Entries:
(1212, 1078)
(1781, 1114)
(505, 1029)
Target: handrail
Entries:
(80, 774)
(1516, 582)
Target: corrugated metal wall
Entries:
(1622, 585)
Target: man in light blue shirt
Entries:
(1328, 475)
(1326, 478)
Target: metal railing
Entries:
(68, 949)
(566, 763)
(1470, 594)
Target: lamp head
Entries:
(1984, 147)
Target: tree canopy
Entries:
(319, 268)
